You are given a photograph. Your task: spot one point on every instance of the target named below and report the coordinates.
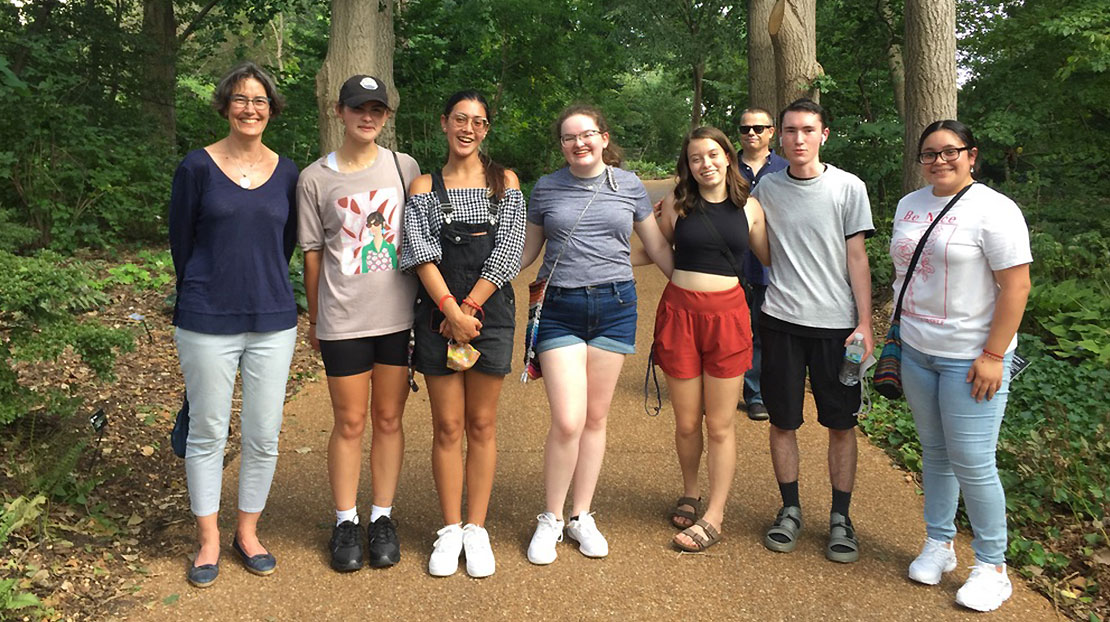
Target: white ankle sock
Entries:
(377, 511)
(344, 515)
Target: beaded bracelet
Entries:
(477, 307)
(992, 355)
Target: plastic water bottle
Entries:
(853, 356)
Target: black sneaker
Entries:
(346, 547)
(758, 412)
(385, 549)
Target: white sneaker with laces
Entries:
(936, 558)
(479, 554)
(445, 556)
(986, 589)
(583, 530)
(549, 530)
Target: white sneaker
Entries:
(445, 556)
(549, 530)
(936, 558)
(590, 541)
(986, 589)
(479, 555)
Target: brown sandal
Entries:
(678, 512)
(707, 537)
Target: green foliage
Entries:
(650, 170)
(1053, 453)
(41, 298)
(154, 271)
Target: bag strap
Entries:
(921, 247)
(404, 185)
(723, 246)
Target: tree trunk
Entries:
(698, 70)
(793, 29)
(761, 58)
(930, 76)
(361, 42)
(894, 58)
(160, 68)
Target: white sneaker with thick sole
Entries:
(936, 558)
(479, 554)
(549, 530)
(583, 530)
(444, 561)
(986, 589)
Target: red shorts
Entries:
(703, 332)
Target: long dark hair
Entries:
(495, 173)
(686, 193)
(612, 155)
(961, 131)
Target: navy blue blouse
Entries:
(231, 248)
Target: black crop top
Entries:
(696, 248)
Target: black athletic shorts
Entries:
(788, 351)
(347, 357)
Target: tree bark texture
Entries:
(361, 42)
(793, 29)
(894, 59)
(160, 68)
(930, 76)
(761, 58)
(698, 72)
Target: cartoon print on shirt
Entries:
(925, 297)
(369, 230)
(379, 254)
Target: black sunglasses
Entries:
(759, 129)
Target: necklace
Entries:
(244, 179)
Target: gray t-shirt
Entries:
(808, 221)
(600, 249)
(362, 291)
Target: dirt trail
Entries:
(644, 578)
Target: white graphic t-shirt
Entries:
(949, 303)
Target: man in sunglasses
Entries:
(757, 160)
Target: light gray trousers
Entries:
(209, 364)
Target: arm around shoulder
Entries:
(757, 231)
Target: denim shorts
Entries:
(602, 316)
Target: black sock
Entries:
(840, 502)
(789, 494)
(575, 517)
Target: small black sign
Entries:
(98, 420)
(1017, 365)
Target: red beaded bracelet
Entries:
(444, 299)
(992, 355)
(477, 307)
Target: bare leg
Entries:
(482, 392)
(387, 445)
(208, 534)
(842, 459)
(603, 368)
(349, 396)
(564, 379)
(247, 533)
(686, 399)
(448, 400)
(784, 454)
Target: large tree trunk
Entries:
(361, 42)
(894, 57)
(160, 68)
(761, 58)
(793, 29)
(930, 75)
(698, 71)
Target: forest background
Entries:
(95, 118)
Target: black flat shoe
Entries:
(203, 575)
(261, 565)
(385, 549)
(346, 547)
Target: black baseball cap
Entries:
(358, 90)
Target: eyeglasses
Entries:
(587, 136)
(241, 101)
(947, 155)
(758, 129)
(461, 120)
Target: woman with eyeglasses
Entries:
(233, 225)
(351, 205)
(960, 316)
(703, 336)
(464, 232)
(585, 213)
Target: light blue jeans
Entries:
(209, 363)
(958, 440)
